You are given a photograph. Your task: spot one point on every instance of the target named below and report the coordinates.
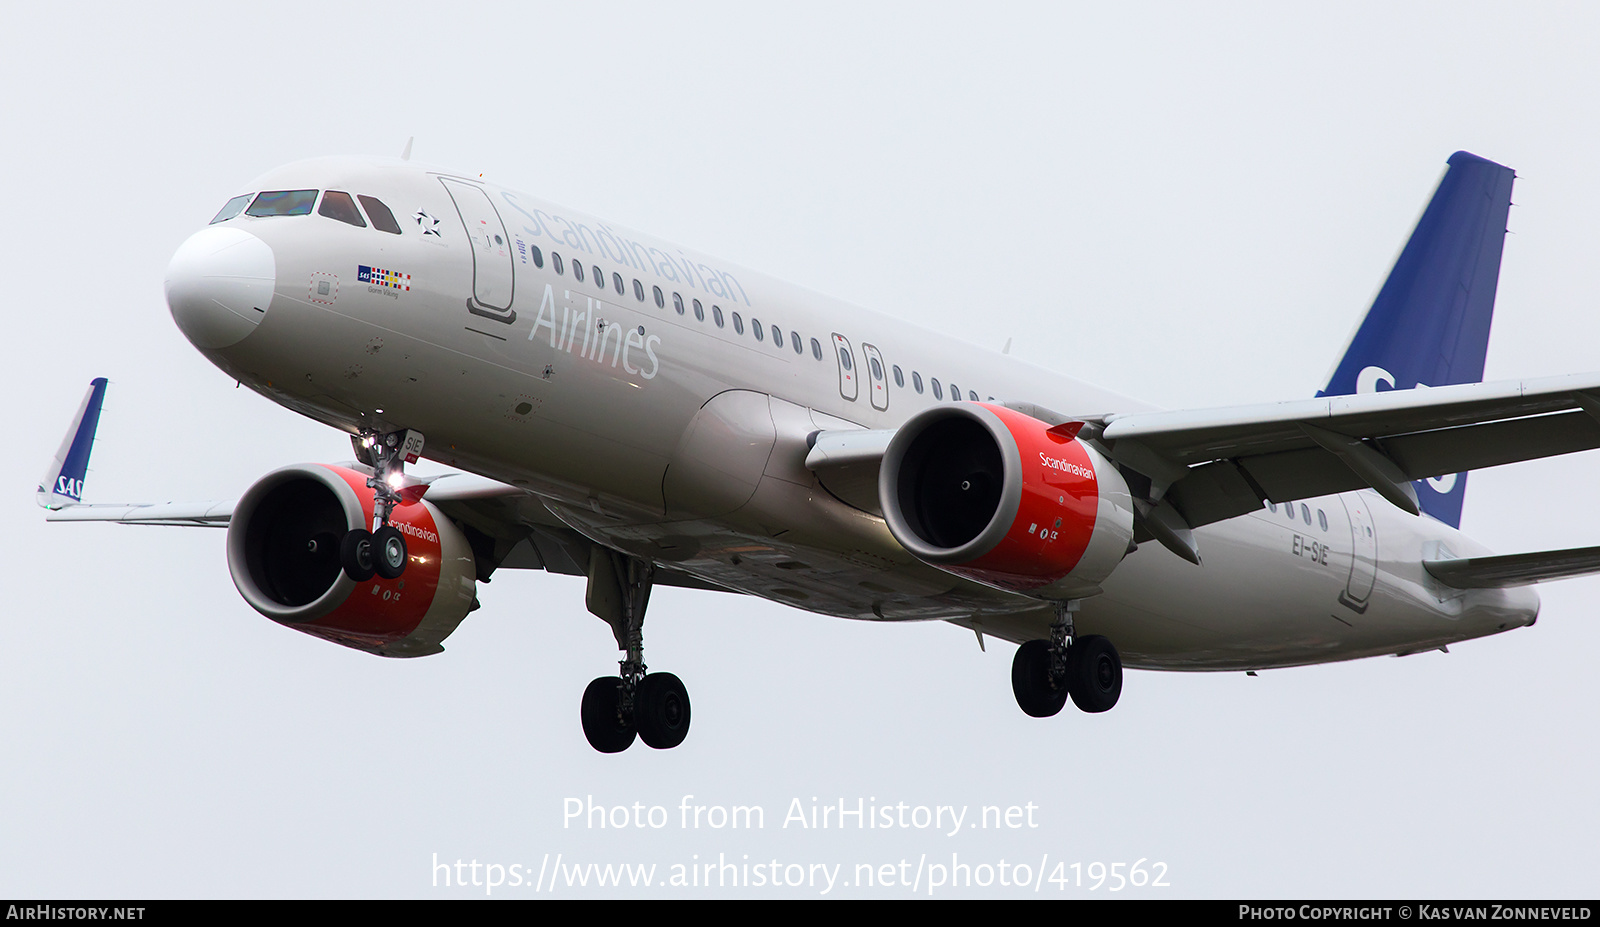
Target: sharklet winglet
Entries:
(62, 485)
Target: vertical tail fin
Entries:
(62, 484)
(1429, 325)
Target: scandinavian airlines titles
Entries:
(598, 333)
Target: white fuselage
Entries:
(662, 433)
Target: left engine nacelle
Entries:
(283, 552)
(990, 494)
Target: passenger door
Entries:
(493, 281)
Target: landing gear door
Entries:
(849, 388)
(1363, 552)
(492, 280)
(876, 378)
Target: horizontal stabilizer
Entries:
(1514, 569)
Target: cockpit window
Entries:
(336, 205)
(283, 203)
(231, 208)
(383, 219)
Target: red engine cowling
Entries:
(283, 552)
(995, 496)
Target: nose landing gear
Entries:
(382, 550)
(1087, 669)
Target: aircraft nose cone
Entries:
(219, 285)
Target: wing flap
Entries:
(1214, 492)
(1288, 475)
(1473, 447)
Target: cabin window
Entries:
(916, 382)
(1272, 507)
(972, 396)
(638, 290)
(599, 278)
(231, 208)
(1305, 513)
(699, 312)
(555, 262)
(1322, 519)
(755, 326)
(738, 324)
(382, 218)
(777, 337)
(798, 347)
(661, 299)
(577, 271)
(877, 368)
(938, 391)
(716, 315)
(955, 393)
(538, 256)
(283, 203)
(899, 378)
(618, 285)
(677, 303)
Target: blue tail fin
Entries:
(62, 484)
(1429, 325)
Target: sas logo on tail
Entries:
(71, 488)
(377, 276)
(1367, 381)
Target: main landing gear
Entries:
(653, 706)
(381, 551)
(1044, 674)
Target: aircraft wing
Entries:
(187, 514)
(508, 527)
(1224, 462)
(1215, 464)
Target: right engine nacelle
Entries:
(283, 552)
(990, 494)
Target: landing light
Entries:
(396, 480)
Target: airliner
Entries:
(622, 409)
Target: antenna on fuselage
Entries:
(405, 155)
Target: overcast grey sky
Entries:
(1191, 204)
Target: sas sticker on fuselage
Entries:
(377, 276)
